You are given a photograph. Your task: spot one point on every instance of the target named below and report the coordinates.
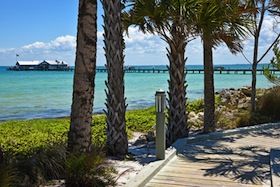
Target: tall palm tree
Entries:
(79, 135)
(171, 20)
(217, 21)
(117, 143)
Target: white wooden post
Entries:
(160, 124)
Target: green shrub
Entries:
(89, 170)
(51, 163)
(36, 148)
(195, 106)
(246, 118)
(33, 170)
(99, 130)
(26, 137)
(7, 175)
(141, 120)
(269, 104)
(223, 122)
(198, 104)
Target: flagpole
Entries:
(17, 58)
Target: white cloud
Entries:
(147, 48)
(35, 45)
(60, 43)
(62, 48)
(136, 42)
(7, 50)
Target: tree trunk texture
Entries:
(255, 56)
(177, 115)
(209, 93)
(254, 73)
(79, 136)
(117, 143)
(253, 91)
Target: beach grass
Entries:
(29, 136)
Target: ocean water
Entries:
(35, 94)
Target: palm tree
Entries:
(217, 21)
(171, 20)
(117, 143)
(79, 135)
(262, 8)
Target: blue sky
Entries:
(38, 30)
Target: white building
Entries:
(41, 65)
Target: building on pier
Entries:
(46, 65)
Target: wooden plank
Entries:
(202, 177)
(275, 167)
(205, 159)
(199, 182)
(192, 176)
(203, 169)
(193, 180)
(156, 184)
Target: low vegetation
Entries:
(26, 137)
(89, 170)
(35, 150)
(269, 104)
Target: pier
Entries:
(190, 71)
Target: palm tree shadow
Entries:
(275, 160)
(245, 164)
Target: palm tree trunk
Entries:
(209, 94)
(117, 143)
(254, 73)
(177, 115)
(79, 136)
(254, 85)
(255, 55)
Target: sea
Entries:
(48, 94)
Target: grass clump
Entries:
(89, 170)
(26, 137)
(196, 106)
(7, 175)
(247, 118)
(269, 104)
(141, 120)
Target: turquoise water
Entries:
(25, 95)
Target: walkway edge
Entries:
(149, 171)
(220, 134)
(275, 167)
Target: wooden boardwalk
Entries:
(233, 161)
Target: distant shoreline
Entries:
(66, 116)
(136, 65)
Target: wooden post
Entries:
(160, 125)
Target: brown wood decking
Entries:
(237, 160)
